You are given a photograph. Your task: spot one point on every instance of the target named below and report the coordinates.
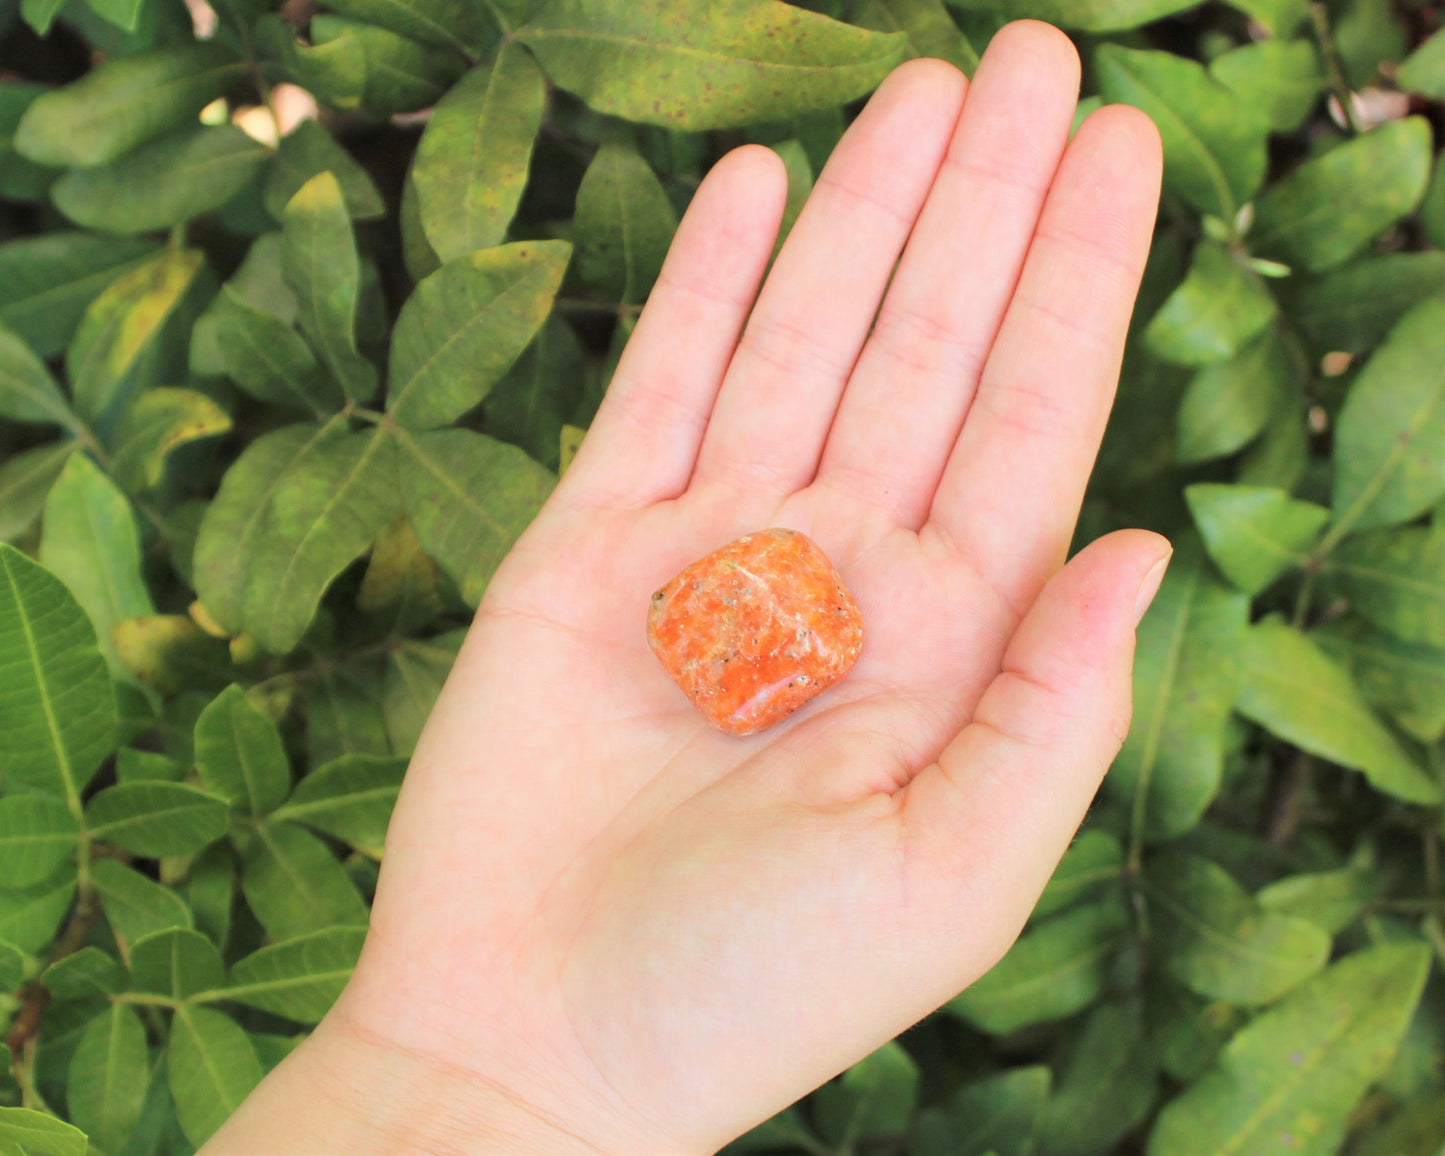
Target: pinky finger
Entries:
(644, 441)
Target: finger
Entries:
(813, 314)
(915, 377)
(644, 440)
(1010, 494)
(985, 825)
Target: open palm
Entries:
(653, 935)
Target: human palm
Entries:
(650, 934)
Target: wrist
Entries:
(346, 1090)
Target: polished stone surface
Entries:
(754, 630)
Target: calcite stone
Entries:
(756, 629)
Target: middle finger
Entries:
(916, 376)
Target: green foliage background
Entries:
(270, 415)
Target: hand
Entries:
(603, 926)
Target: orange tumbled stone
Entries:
(754, 630)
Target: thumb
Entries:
(987, 823)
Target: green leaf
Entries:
(121, 324)
(1214, 143)
(25, 481)
(1287, 1082)
(322, 268)
(1404, 679)
(1186, 676)
(1423, 71)
(349, 798)
(1396, 579)
(86, 974)
(169, 653)
(471, 164)
(299, 978)
(1295, 692)
(39, 14)
(1353, 307)
(37, 834)
(90, 540)
(182, 175)
(1093, 859)
(308, 150)
(124, 14)
(46, 282)
(57, 708)
(402, 585)
(415, 672)
(239, 755)
(137, 766)
(874, 1097)
(176, 962)
(12, 968)
(135, 905)
(401, 75)
(1331, 900)
(450, 24)
(1106, 1086)
(1219, 307)
(156, 423)
(1055, 969)
(27, 390)
(997, 1115)
(1280, 17)
(530, 405)
(1188, 1032)
(1228, 403)
(927, 25)
(30, 916)
(468, 498)
(1329, 208)
(1281, 78)
(465, 325)
(695, 65)
(624, 224)
(1217, 941)
(156, 819)
(1254, 533)
(321, 515)
(125, 102)
(342, 715)
(267, 358)
(333, 72)
(295, 885)
(211, 891)
(1432, 212)
(1085, 15)
(20, 179)
(41, 1134)
(236, 521)
(211, 1066)
(420, 258)
(1390, 438)
(107, 1077)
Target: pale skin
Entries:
(602, 926)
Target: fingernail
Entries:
(1150, 587)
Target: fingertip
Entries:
(1038, 46)
(746, 180)
(926, 76)
(1130, 136)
